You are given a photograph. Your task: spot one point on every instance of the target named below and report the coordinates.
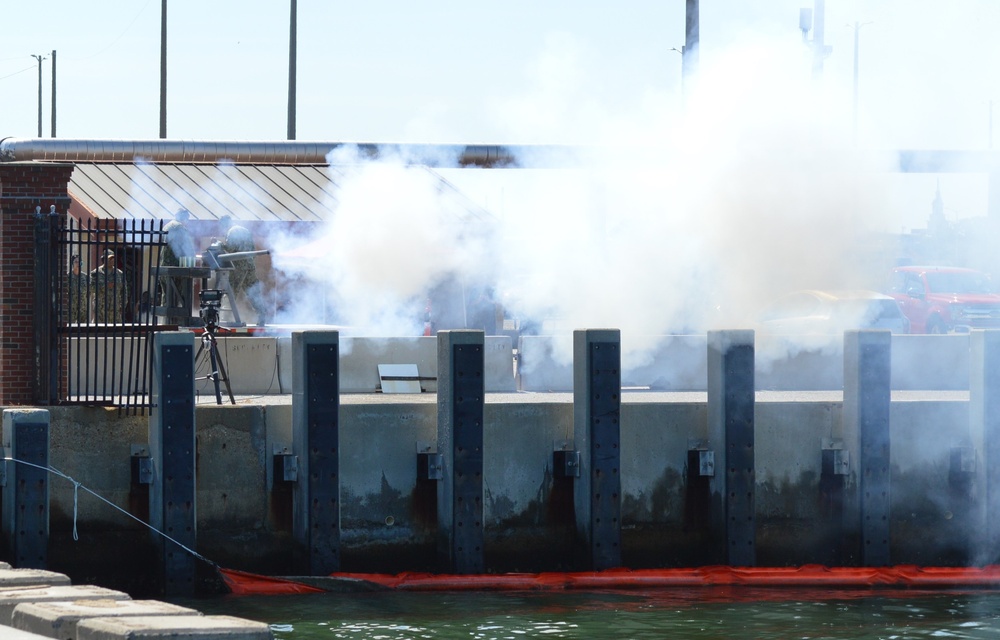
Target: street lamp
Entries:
(39, 57)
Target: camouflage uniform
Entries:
(243, 277)
(78, 288)
(180, 244)
(110, 294)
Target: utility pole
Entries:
(52, 128)
(819, 46)
(39, 57)
(292, 46)
(692, 36)
(163, 69)
(857, 29)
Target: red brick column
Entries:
(23, 187)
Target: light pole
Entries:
(52, 127)
(857, 28)
(39, 57)
(163, 69)
(292, 46)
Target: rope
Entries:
(77, 486)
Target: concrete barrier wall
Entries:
(678, 363)
(263, 365)
(388, 515)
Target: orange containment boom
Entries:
(902, 576)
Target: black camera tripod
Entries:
(211, 346)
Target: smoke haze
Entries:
(701, 210)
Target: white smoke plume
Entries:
(395, 236)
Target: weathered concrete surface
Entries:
(262, 365)
(11, 597)
(59, 619)
(18, 578)
(784, 363)
(360, 357)
(389, 517)
(173, 628)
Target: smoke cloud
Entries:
(690, 208)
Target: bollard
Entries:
(597, 434)
(984, 429)
(172, 450)
(26, 490)
(731, 422)
(867, 394)
(316, 444)
(461, 407)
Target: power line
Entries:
(120, 35)
(17, 72)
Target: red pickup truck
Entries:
(945, 299)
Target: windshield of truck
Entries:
(958, 282)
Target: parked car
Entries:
(816, 312)
(945, 299)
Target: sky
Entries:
(465, 72)
(745, 190)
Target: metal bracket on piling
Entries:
(565, 460)
(963, 460)
(142, 465)
(430, 464)
(836, 459)
(701, 457)
(286, 464)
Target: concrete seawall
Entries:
(244, 512)
(806, 468)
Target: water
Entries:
(691, 613)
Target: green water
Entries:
(698, 613)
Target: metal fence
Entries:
(103, 276)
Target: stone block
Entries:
(11, 597)
(60, 619)
(172, 627)
(31, 577)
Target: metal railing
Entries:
(104, 276)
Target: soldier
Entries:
(78, 286)
(174, 291)
(243, 277)
(110, 290)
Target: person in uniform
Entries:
(110, 290)
(243, 277)
(175, 291)
(78, 288)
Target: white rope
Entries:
(76, 501)
(78, 485)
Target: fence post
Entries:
(45, 340)
(172, 507)
(597, 433)
(316, 444)
(26, 490)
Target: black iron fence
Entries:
(103, 276)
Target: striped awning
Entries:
(249, 192)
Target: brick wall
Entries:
(23, 187)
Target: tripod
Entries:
(218, 371)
